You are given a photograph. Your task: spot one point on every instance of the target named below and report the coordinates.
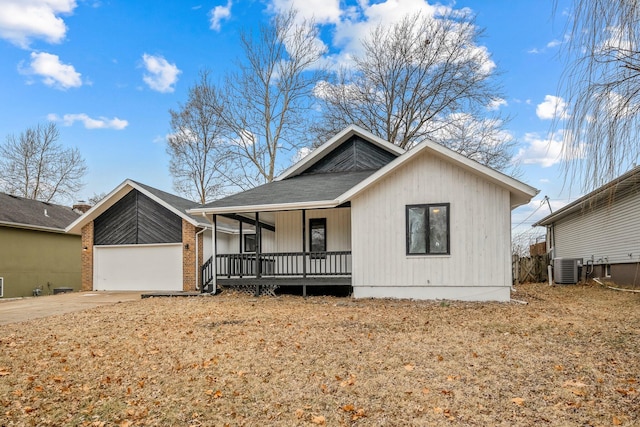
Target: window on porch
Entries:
(318, 234)
(249, 242)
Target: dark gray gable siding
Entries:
(356, 154)
(118, 224)
(136, 219)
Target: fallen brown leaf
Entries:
(518, 401)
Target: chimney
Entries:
(81, 207)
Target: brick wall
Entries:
(189, 276)
(87, 257)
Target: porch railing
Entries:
(284, 264)
(206, 276)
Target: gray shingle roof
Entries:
(629, 181)
(301, 188)
(34, 213)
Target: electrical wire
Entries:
(530, 215)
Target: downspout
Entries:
(197, 259)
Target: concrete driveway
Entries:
(20, 310)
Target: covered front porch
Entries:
(274, 249)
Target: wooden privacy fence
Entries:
(530, 269)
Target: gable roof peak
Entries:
(329, 146)
(176, 204)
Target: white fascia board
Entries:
(342, 136)
(118, 193)
(521, 193)
(109, 200)
(267, 208)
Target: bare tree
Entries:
(424, 77)
(96, 198)
(601, 85)
(195, 144)
(34, 166)
(268, 100)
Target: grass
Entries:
(568, 357)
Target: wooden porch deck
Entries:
(265, 272)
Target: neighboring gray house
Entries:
(427, 223)
(603, 229)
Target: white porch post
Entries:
(214, 263)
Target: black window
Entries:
(249, 242)
(428, 229)
(318, 234)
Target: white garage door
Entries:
(137, 268)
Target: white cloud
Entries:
(361, 20)
(619, 42)
(218, 14)
(301, 154)
(547, 152)
(24, 20)
(161, 75)
(321, 11)
(496, 103)
(553, 107)
(540, 151)
(90, 123)
(553, 43)
(53, 72)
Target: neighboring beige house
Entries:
(601, 230)
(35, 253)
(358, 211)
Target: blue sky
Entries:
(107, 72)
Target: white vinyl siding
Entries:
(608, 232)
(228, 243)
(480, 225)
(207, 245)
(288, 236)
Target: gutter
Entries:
(35, 227)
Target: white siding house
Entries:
(477, 266)
(602, 229)
(426, 223)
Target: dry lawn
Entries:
(569, 357)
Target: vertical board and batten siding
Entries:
(288, 235)
(228, 243)
(609, 231)
(353, 155)
(207, 244)
(478, 267)
(136, 219)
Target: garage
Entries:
(138, 267)
(139, 238)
